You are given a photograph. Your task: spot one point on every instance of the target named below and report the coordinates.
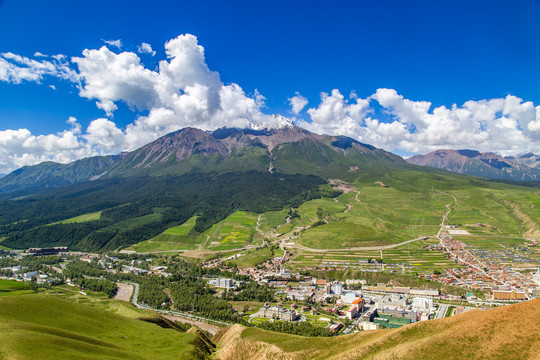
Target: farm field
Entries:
(414, 255)
(237, 230)
(372, 215)
(272, 219)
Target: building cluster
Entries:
(484, 270)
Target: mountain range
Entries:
(135, 196)
(287, 149)
(488, 165)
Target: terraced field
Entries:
(235, 231)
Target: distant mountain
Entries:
(529, 159)
(50, 174)
(475, 163)
(286, 149)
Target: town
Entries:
(335, 306)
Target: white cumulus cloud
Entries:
(298, 102)
(145, 48)
(116, 43)
(183, 91)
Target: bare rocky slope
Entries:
(529, 159)
(471, 162)
(509, 332)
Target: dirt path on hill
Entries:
(212, 329)
(124, 292)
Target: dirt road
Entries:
(124, 292)
(212, 329)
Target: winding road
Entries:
(199, 321)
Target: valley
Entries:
(339, 238)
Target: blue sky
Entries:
(393, 55)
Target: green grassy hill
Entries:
(48, 327)
(510, 332)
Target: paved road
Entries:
(383, 247)
(441, 312)
(212, 329)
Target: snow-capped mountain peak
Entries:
(273, 122)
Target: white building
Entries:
(352, 312)
(225, 283)
(366, 325)
(336, 289)
(536, 277)
(349, 297)
(420, 303)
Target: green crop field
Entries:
(414, 255)
(233, 232)
(237, 230)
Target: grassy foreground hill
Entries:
(48, 327)
(510, 332)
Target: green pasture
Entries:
(272, 219)
(49, 327)
(132, 223)
(253, 257)
(12, 288)
(181, 237)
(82, 218)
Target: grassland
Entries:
(509, 332)
(12, 288)
(254, 257)
(47, 326)
(132, 223)
(410, 207)
(272, 219)
(371, 215)
(2, 247)
(82, 218)
(181, 237)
